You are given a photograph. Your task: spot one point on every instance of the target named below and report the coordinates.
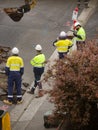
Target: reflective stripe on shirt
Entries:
(63, 45)
(14, 63)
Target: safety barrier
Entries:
(4, 120)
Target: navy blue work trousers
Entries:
(62, 54)
(14, 78)
(37, 75)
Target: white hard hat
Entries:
(62, 34)
(15, 50)
(38, 47)
(77, 23)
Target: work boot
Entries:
(7, 102)
(40, 93)
(19, 101)
(31, 91)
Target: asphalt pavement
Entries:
(41, 25)
(29, 115)
(91, 26)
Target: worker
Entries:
(80, 35)
(62, 44)
(85, 3)
(38, 63)
(14, 70)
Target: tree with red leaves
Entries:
(75, 87)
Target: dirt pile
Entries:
(4, 54)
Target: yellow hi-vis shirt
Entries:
(63, 45)
(82, 33)
(14, 63)
(38, 60)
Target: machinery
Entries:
(16, 13)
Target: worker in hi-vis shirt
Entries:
(14, 69)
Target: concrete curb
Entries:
(20, 112)
(87, 12)
(28, 113)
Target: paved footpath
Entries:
(29, 115)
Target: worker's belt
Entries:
(38, 66)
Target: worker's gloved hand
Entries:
(22, 71)
(55, 41)
(74, 33)
(7, 71)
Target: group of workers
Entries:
(15, 65)
(15, 69)
(63, 43)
